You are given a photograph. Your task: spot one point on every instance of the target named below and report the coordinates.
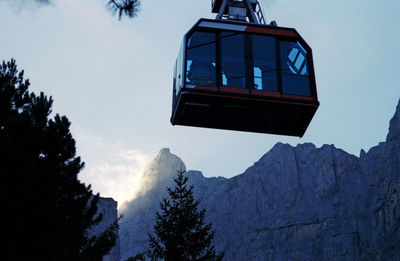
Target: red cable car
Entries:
(244, 75)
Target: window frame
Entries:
(246, 64)
(203, 87)
(307, 59)
(249, 64)
(254, 91)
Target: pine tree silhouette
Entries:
(48, 211)
(180, 232)
(127, 8)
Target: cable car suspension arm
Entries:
(240, 10)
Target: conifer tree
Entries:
(47, 211)
(180, 232)
(127, 8)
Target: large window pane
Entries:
(295, 78)
(233, 60)
(200, 62)
(264, 62)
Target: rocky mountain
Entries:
(108, 208)
(295, 203)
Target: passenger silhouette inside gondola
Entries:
(202, 73)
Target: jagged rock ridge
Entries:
(107, 207)
(295, 203)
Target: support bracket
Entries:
(240, 10)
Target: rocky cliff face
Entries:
(295, 203)
(139, 215)
(108, 207)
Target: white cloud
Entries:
(112, 169)
(135, 155)
(117, 181)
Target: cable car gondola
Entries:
(237, 73)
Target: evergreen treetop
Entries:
(180, 231)
(127, 8)
(49, 212)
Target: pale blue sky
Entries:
(113, 80)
